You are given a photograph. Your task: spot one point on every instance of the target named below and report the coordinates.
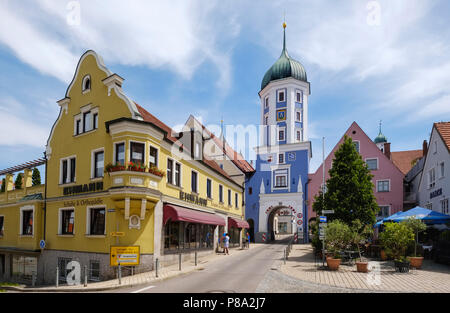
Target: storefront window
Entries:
(172, 236)
(234, 234)
(24, 266)
(188, 236)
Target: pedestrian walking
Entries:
(248, 240)
(226, 244)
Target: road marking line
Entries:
(143, 289)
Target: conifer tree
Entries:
(18, 182)
(36, 177)
(349, 190)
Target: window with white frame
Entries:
(78, 129)
(194, 181)
(66, 221)
(281, 158)
(299, 135)
(153, 158)
(27, 221)
(120, 153)
(208, 188)
(384, 211)
(383, 186)
(229, 197)
(299, 96)
(281, 177)
(87, 121)
(266, 120)
(67, 170)
(435, 147)
(86, 84)
(281, 134)
(94, 270)
(281, 96)
(236, 198)
(441, 170)
(137, 150)
(266, 102)
(431, 178)
(298, 116)
(177, 174)
(372, 164)
(170, 171)
(96, 221)
(173, 172)
(220, 193)
(444, 206)
(356, 143)
(98, 163)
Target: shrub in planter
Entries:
(359, 234)
(114, 167)
(395, 240)
(416, 226)
(337, 238)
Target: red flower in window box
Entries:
(137, 167)
(114, 167)
(156, 171)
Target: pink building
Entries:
(387, 180)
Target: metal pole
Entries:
(156, 267)
(195, 258)
(120, 275)
(323, 195)
(57, 276)
(85, 276)
(284, 256)
(179, 261)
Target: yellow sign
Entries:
(117, 234)
(125, 255)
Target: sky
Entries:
(366, 61)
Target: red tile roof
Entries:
(405, 160)
(148, 117)
(235, 157)
(444, 130)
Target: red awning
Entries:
(176, 213)
(232, 222)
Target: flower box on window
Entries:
(114, 168)
(136, 167)
(156, 171)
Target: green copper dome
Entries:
(284, 67)
(380, 138)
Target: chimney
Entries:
(425, 148)
(387, 150)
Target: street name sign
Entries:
(327, 211)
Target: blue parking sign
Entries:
(323, 219)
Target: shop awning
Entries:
(233, 222)
(176, 213)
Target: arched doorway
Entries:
(272, 226)
(251, 230)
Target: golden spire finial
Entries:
(284, 19)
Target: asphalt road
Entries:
(240, 273)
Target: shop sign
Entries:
(436, 193)
(73, 190)
(193, 198)
(125, 255)
(95, 201)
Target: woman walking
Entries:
(226, 241)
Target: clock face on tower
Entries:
(281, 115)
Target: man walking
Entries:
(226, 242)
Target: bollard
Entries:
(85, 276)
(179, 261)
(33, 279)
(284, 256)
(57, 276)
(120, 275)
(195, 258)
(156, 267)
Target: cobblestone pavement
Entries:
(302, 266)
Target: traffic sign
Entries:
(42, 244)
(327, 211)
(124, 255)
(323, 219)
(118, 234)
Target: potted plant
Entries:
(416, 226)
(156, 171)
(137, 167)
(114, 167)
(337, 237)
(395, 239)
(359, 235)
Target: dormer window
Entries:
(86, 86)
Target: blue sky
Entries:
(365, 60)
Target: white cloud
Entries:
(16, 131)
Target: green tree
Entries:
(18, 182)
(395, 239)
(337, 237)
(3, 185)
(416, 226)
(36, 177)
(349, 190)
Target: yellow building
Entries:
(118, 176)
